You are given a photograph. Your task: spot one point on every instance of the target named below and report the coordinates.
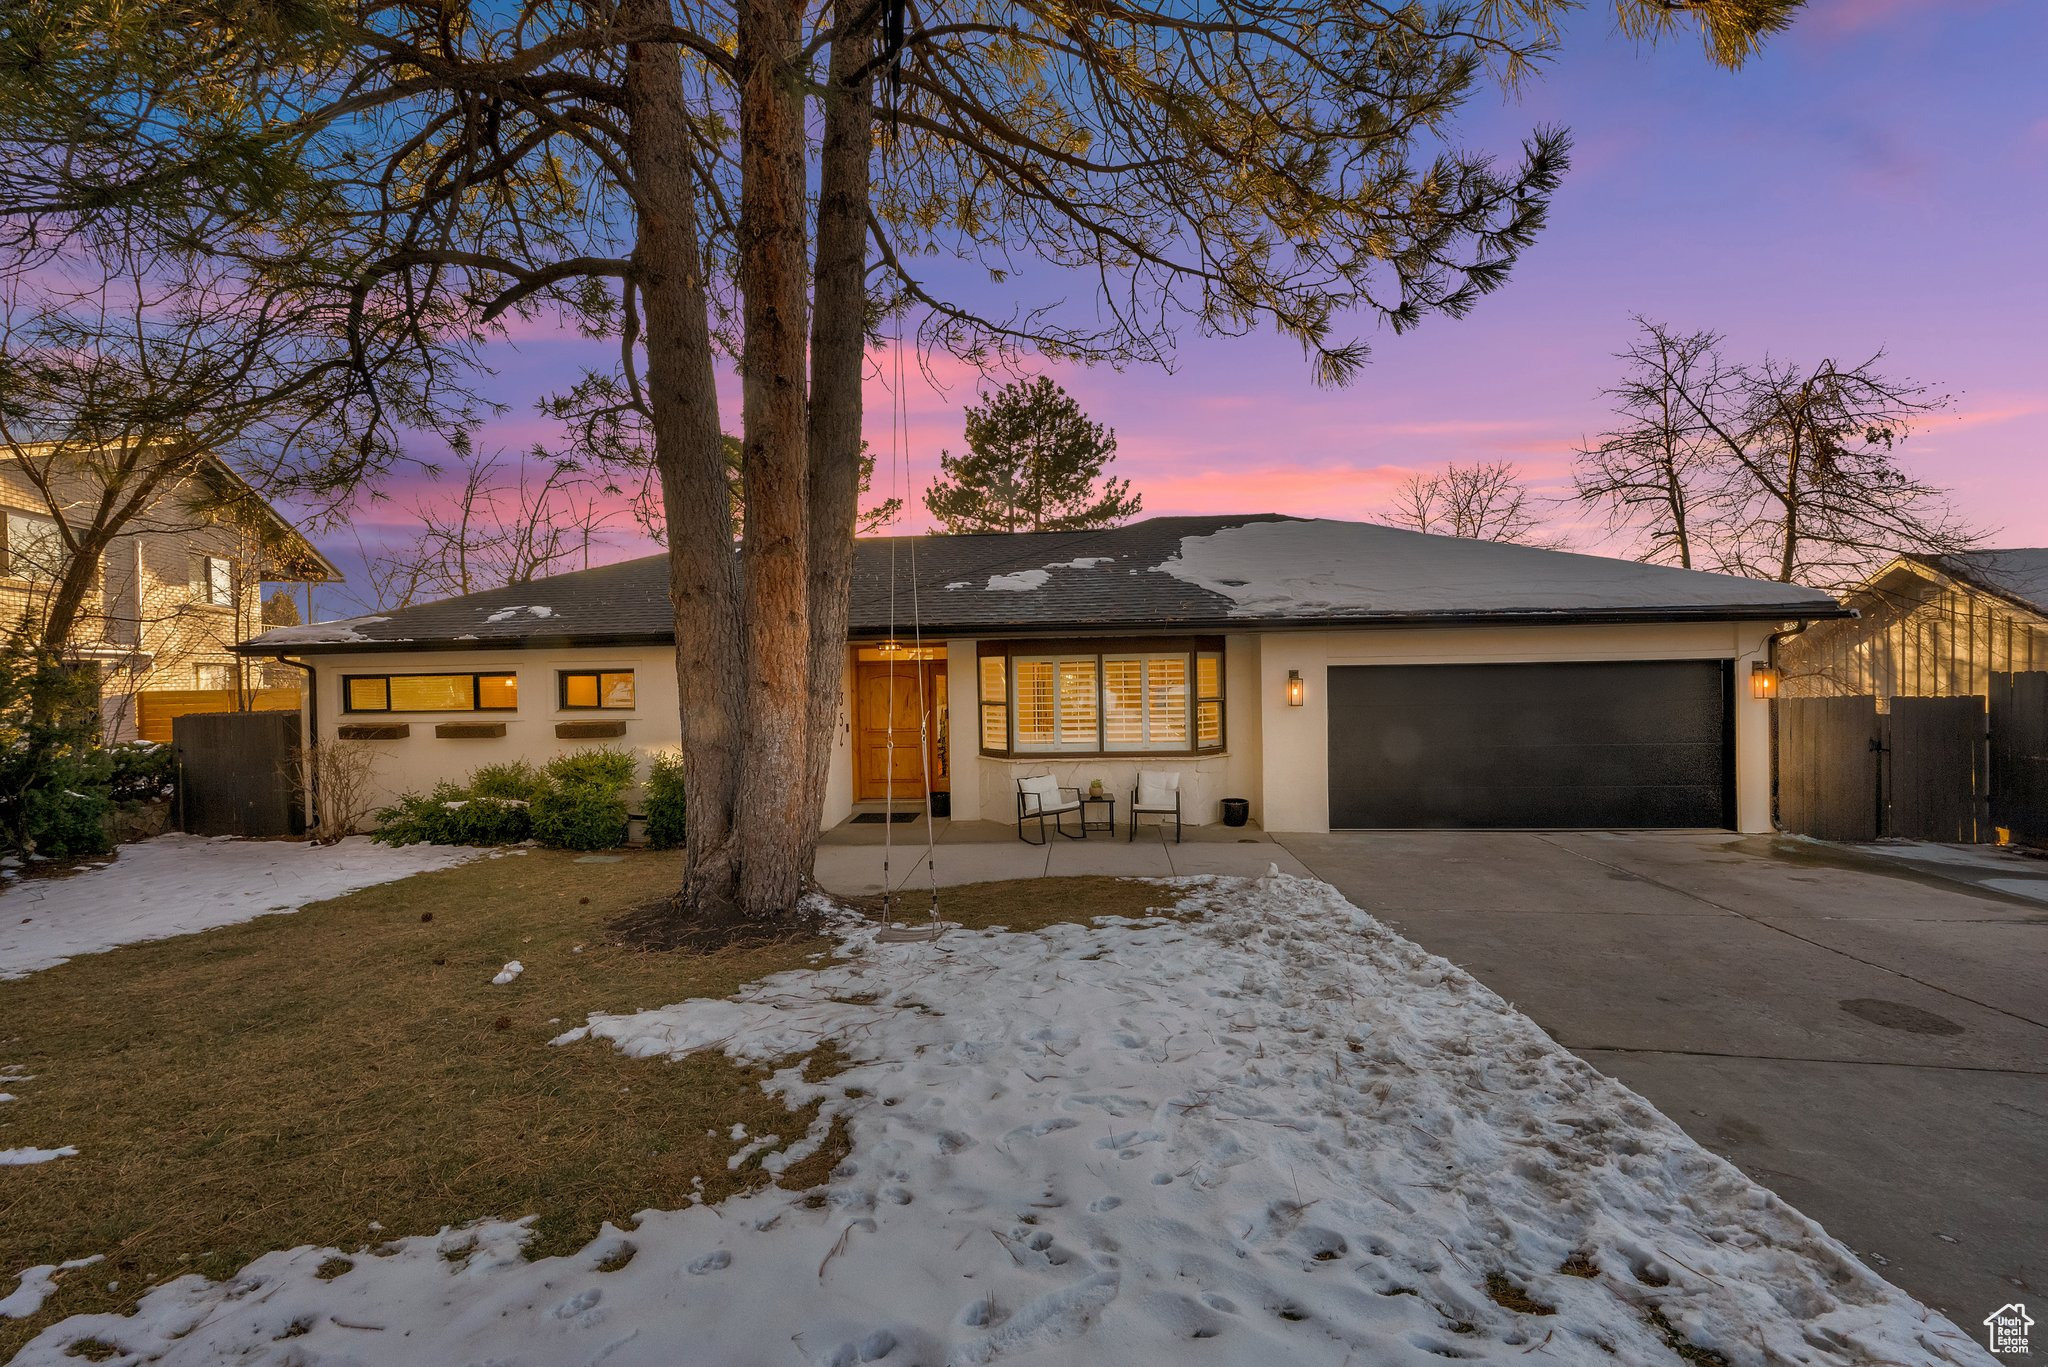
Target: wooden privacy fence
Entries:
(1828, 767)
(234, 773)
(1948, 769)
(2019, 755)
(157, 708)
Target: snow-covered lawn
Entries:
(178, 884)
(1268, 1132)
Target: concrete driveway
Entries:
(1868, 1040)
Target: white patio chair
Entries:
(1041, 797)
(1157, 794)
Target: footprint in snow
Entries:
(873, 1348)
(715, 1261)
(1105, 1204)
(1129, 1138)
(1038, 1129)
(578, 1303)
(953, 1141)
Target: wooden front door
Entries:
(889, 761)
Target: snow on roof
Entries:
(536, 610)
(342, 631)
(1360, 569)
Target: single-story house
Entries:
(1338, 675)
(1929, 626)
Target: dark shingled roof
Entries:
(1048, 583)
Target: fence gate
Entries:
(1935, 770)
(2019, 755)
(1828, 753)
(233, 773)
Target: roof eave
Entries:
(1764, 612)
(420, 645)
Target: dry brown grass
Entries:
(292, 1080)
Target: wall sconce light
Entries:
(1763, 681)
(1297, 691)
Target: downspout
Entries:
(309, 739)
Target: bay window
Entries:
(1149, 697)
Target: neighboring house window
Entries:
(35, 548)
(583, 689)
(214, 676)
(431, 692)
(1134, 700)
(216, 585)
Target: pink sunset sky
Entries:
(1877, 178)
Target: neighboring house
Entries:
(1337, 674)
(1929, 626)
(175, 592)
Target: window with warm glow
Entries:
(431, 693)
(995, 704)
(1138, 701)
(583, 690)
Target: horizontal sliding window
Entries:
(583, 690)
(431, 692)
(1141, 700)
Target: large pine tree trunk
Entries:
(777, 826)
(690, 457)
(838, 346)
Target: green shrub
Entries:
(54, 777)
(580, 816)
(144, 771)
(416, 819)
(514, 781)
(603, 767)
(663, 799)
(576, 801)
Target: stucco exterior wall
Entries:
(1294, 742)
(421, 759)
(1275, 755)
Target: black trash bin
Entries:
(1236, 811)
(942, 804)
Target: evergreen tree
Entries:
(1031, 465)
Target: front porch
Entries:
(850, 855)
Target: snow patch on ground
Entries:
(1347, 569)
(1023, 581)
(22, 1158)
(1084, 562)
(35, 1285)
(178, 884)
(508, 973)
(1272, 1132)
(340, 632)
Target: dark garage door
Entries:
(1643, 743)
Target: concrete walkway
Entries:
(1868, 1039)
(850, 857)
